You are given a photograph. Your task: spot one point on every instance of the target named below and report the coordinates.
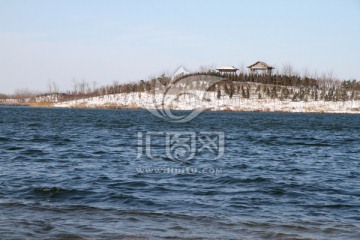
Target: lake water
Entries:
(80, 174)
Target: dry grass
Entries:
(80, 105)
(40, 104)
(105, 106)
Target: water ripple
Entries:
(71, 174)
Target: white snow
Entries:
(184, 97)
(209, 101)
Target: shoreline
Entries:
(244, 97)
(122, 107)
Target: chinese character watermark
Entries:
(180, 146)
(184, 92)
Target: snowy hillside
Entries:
(253, 100)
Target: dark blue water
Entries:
(74, 174)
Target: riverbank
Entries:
(236, 104)
(248, 97)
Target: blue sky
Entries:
(107, 41)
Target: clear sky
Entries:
(105, 41)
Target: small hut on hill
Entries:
(227, 69)
(260, 67)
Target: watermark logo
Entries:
(181, 92)
(179, 171)
(180, 146)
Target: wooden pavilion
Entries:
(260, 67)
(227, 69)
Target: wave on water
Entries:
(72, 174)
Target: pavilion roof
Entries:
(227, 68)
(260, 65)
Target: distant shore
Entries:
(200, 93)
(224, 105)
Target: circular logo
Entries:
(182, 93)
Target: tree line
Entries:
(283, 86)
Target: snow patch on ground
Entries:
(209, 101)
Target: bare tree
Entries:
(242, 68)
(94, 83)
(305, 73)
(82, 86)
(24, 93)
(49, 85)
(3, 96)
(287, 70)
(52, 87)
(75, 86)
